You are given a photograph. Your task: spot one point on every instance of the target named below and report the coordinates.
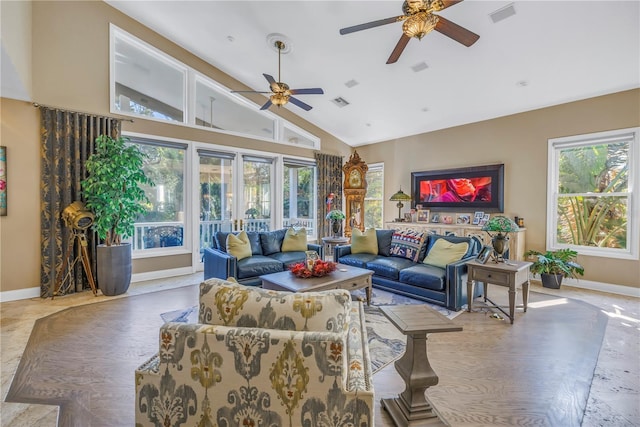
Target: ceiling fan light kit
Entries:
(419, 19)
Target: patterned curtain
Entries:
(67, 140)
(329, 181)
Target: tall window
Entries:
(299, 194)
(591, 197)
(163, 224)
(373, 202)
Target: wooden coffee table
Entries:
(345, 277)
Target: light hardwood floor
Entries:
(613, 401)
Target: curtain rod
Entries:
(35, 104)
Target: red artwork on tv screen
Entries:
(456, 190)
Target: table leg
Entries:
(368, 290)
(512, 302)
(525, 294)
(470, 288)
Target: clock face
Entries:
(355, 179)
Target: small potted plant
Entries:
(336, 216)
(554, 265)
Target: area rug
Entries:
(537, 371)
(386, 342)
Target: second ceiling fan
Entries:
(419, 19)
(280, 92)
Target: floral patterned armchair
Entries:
(260, 358)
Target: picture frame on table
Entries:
(446, 219)
(463, 219)
(484, 219)
(423, 215)
(484, 254)
(407, 217)
(477, 217)
(435, 218)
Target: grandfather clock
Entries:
(354, 189)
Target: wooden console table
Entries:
(415, 321)
(510, 274)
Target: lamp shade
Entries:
(400, 196)
(500, 224)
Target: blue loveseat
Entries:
(266, 257)
(443, 286)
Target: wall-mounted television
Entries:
(477, 188)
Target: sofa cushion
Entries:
(384, 242)
(231, 304)
(271, 241)
(444, 252)
(407, 244)
(295, 240)
(424, 276)
(289, 258)
(239, 246)
(257, 265)
(453, 239)
(220, 238)
(388, 267)
(364, 243)
(357, 260)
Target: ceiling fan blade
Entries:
(266, 105)
(300, 104)
(448, 3)
(309, 91)
(247, 91)
(270, 79)
(456, 32)
(402, 43)
(372, 24)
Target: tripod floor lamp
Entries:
(400, 197)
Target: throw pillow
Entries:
(239, 246)
(364, 243)
(444, 252)
(295, 240)
(407, 244)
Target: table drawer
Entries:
(495, 277)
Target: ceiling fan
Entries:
(280, 92)
(419, 19)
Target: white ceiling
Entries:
(549, 52)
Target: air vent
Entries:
(503, 13)
(340, 102)
(419, 67)
(351, 83)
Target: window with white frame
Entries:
(593, 194)
(373, 203)
(299, 194)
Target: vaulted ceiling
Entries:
(542, 53)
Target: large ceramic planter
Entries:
(552, 281)
(114, 268)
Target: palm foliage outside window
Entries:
(591, 193)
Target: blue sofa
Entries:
(266, 257)
(443, 286)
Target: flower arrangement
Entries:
(336, 215)
(320, 269)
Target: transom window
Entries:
(590, 193)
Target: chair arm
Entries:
(219, 264)
(456, 283)
(318, 248)
(340, 251)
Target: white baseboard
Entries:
(18, 294)
(599, 286)
(161, 274)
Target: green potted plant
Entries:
(554, 265)
(336, 216)
(112, 191)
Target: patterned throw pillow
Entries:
(295, 240)
(444, 252)
(407, 244)
(239, 246)
(364, 243)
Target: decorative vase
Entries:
(500, 243)
(336, 228)
(114, 268)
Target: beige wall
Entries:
(520, 142)
(70, 70)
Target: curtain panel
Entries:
(67, 140)
(329, 181)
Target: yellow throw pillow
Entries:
(295, 240)
(364, 243)
(239, 246)
(444, 252)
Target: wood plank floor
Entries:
(613, 399)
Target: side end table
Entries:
(415, 321)
(330, 242)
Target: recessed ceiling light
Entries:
(231, 38)
(351, 83)
(522, 83)
(368, 125)
(420, 66)
(425, 109)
